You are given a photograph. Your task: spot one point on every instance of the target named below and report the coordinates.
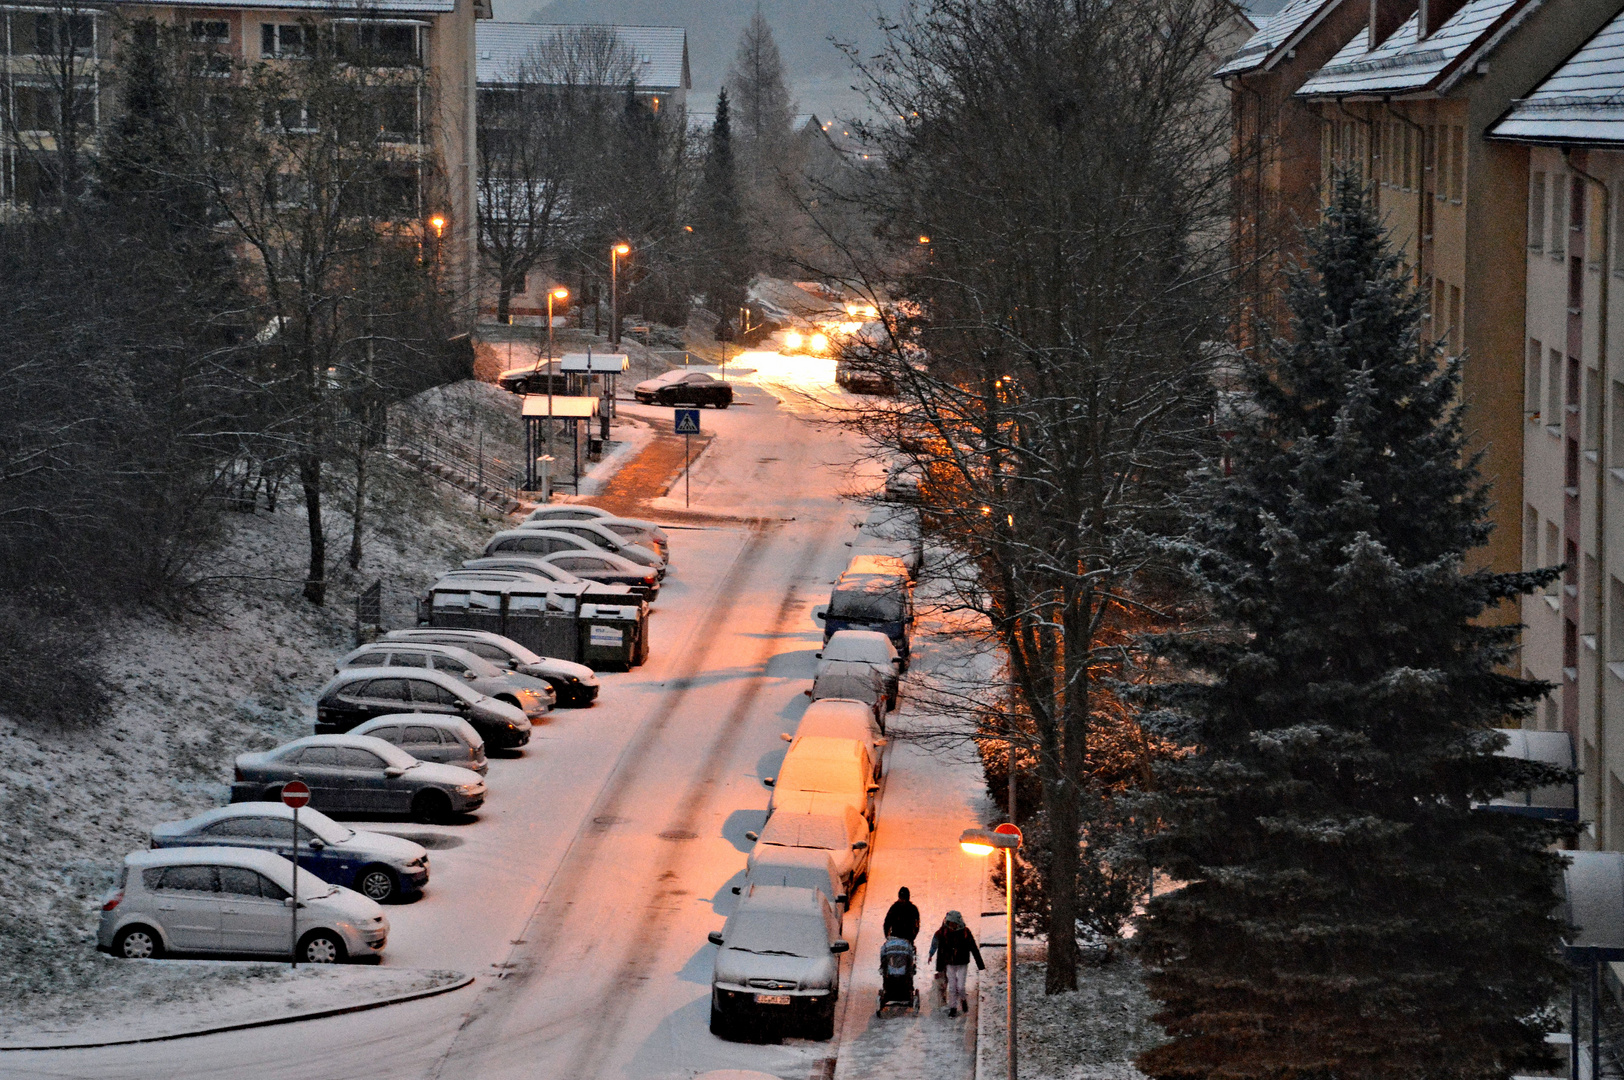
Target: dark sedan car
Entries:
(358, 774)
(684, 388)
(609, 569)
(356, 695)
(533, 380)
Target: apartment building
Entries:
(1571, 127)
(1410, 113)
(47, 48)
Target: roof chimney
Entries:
(1386, 16)
(1434, 13)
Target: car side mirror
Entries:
(786, 736)
(768, 780)
(288, 902)
(752, 837)
(818, 613)
(463, 706)
(872, 788)
(839, 946)
(882, 741)
(843, 899)
(817, 656)
(714, 937)
(316, 844)
(807, 691)
(735, 890)
(512, 664)
(469, 675)
(861, 845)
(394, 771)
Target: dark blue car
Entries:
(880, 602)
(381, 867)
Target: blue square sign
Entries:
(687, 421)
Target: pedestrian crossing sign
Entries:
(687, 421)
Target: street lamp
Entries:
(559, 293)
(615, 254)
(983, 842)
(438, 224)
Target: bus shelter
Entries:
(543, 414)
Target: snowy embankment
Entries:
(188, 695)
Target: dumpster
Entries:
(611, 635)
(541, 616)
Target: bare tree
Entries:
(50, 68)
(1052, 196)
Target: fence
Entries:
(462, 464)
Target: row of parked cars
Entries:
(403, 728)
(777, 962)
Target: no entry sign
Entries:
(296, 793)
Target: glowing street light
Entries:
(615, 254)
(437, 223)
(981, 843)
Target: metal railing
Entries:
(458, 462)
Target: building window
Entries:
(1593, 409)
(1553, 554)
(1615, 429)
(1454, 319)
(1440, 157)
(1553, 389)
(1587, 597)
(1530, 538)
(1536, 212)
(212, 31)
(1556, 242)
(1457, 164)
(1615, 620)
(284, 39)
(1536, 353)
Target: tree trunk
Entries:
(504, 298)
(1065, 825)
(360, 501)
(315, 586)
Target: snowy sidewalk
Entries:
(929, 799)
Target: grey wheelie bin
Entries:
(612, 635)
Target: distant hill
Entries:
(820, 76)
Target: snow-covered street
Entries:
(581, 897)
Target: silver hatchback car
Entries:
(446, 740)
(534, 697)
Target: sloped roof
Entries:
(660, 52)
(1581, 101)
(381, 8)
(1403, 64)
(1277, 34)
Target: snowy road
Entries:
(582, 897)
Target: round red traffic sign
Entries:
(296, 793)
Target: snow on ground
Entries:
(189, 694)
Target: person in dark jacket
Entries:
(955, 946)
(902, 920)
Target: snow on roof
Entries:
(660, 53)
(363, 7)
(1283, 30)
(1405, 62)
(1581, 101)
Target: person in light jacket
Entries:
(955, 945)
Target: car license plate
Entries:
(772, 999)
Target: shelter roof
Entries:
(659, 53)
(1406, 63)
(1580, 102)
(564, 406)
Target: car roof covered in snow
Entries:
(840, 718)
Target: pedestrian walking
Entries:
(902, 920)
(954, 946)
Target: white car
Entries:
(825, 766)
(777, 963)
(865, 647)
(599, 535)
(842, 718)
(636, 530)
(821, 822)
(851, 680)
(795, 868)
(233, 900)
(445, 740)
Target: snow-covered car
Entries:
(356, 695)
(609, 569)
(865, 647)
(850, 680)
(889, 529)
(524, 564)
(444, 740)
(600, 536)
(679, 387)
(820, 823)
(777, 963)
(842, 718)
(376, 865)
(574, 684)
(867, 601)
(795, 868)
(902, 482)
(233, 900)
(637, 530)
(534, 697)
(358, 774)
(824, 766)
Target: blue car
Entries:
(882, 602)
(380, 867)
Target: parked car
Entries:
(838, 767)
(534, 697)
(609, 569)
(890, 529)
(606, 539)
(681, 387)
(821, 823)
(865, 647)
(881, 602)
(574, 685)
(532, 379)
(525, 564)
(233, 900)
(903, 481)
(843, 718)
(444, 740)
(452, 576)
(376, 865)
(356, 695)
(850, 680)
(624, 525)
(638, 531)
(795, 868)
(777, 963)
(358, 774)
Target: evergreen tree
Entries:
(761, 93)
(1347, 913)
(723, 237)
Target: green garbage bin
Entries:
(609, 636)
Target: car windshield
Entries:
(391, 754)
(846, 645)
(774, 933)
(874, 598)
(805, 831)
(325, 827)
(820, 774)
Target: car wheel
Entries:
(138, 943)
(321, 947)
(509, 699)
(823, 1024)
(431, 807)
(721, 1025)
(724, 403)
(521, 387)
(272, 794)
(377, 883)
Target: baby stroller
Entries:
(898, 964)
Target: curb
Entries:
(292, 1018)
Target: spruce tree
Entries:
(725, 247)
(1346, 912)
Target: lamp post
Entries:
(614, 291)
(984, 842)
(559, 293)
